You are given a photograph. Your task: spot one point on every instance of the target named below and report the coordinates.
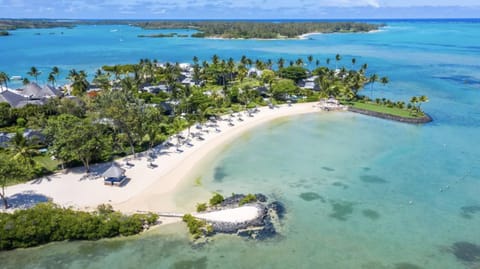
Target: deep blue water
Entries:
(387, 194)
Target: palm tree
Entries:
(34, 73)
(79, 81)
(317, 62)
(25, 81)
(269, 64)
(280, 63)
(4, 79)
(215, 59)
(195, 59)
(414, 101)
(22, 149)
(422, 99)
(328, 61)
(231, 67)
(242, 72)
(310, 59)
(384, 81)
(353, 62)
(363, 69)
(55, 71)
(373, 78)
(249, 62)
(51, 79)
(337, 59)
(299, 62)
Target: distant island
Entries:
(210, 29)
(163, 35)
(13, 24)
(260, 30)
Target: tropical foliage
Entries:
(263, 30)
(47, 222)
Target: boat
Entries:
(16, 78)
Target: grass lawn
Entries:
(47, 162)
(385, 109)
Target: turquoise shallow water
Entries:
(360, 192)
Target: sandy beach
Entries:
(148, 189)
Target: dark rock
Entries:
(261, 198)
(233, 200)
(278, 207)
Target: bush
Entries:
(249, 198)
(195, 226)
(201, 207)
(48, 222)
(21, 122)
(216, 199)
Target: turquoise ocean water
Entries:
(360, 192)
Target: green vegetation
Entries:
(4, 33)
(201, 207)
(198, 181)
(294, 72)
(196, 227)
(412, 110)
(249, 198)
(13, 24)
(47, 222)
(160, 35)
(224, 29)
(383, 109)
(261, 30)
(216, 199)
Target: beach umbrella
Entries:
(114, 171)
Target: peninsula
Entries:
(260, 30)
(210, 29)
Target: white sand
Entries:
(232, 215)
(149, 189)
(307, 35)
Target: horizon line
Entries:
(247, 19)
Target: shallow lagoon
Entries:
(360, 192)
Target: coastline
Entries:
(300, 37)
(148, 189)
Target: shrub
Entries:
(201, 207)
(249, 198)
(195, 226)
(21, 122)
(48, 222)
(216, 199)
(104, 209)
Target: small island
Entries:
(159, 35)
(4, 33)
(244, 215)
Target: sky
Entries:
(238, 9)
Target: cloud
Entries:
(216, 8)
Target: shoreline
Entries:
(299, 37)
(149, 189)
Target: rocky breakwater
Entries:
(245, 215)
